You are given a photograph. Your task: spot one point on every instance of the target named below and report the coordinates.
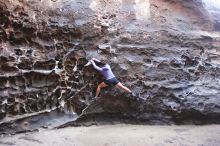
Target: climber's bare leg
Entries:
(101, 85)
(121, 86)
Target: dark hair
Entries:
(99, 64)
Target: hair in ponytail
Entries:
(99, 64)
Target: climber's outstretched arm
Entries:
(95, 66)
(96, 59)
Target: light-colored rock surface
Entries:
(120, 135)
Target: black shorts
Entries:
(111, 82)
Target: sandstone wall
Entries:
(166, 51)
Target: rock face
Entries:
(214, 9)
(166, 51)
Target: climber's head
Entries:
(100, 64)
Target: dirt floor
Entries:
(120, 135)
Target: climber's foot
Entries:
(62, 103)
(135, 96)
(93, 99)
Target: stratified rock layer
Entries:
(165, 51)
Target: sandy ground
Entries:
(120, 135)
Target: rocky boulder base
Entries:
(166, 51)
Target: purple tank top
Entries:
(105, 71)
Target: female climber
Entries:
(109, 77)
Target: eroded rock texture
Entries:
(166, 51)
